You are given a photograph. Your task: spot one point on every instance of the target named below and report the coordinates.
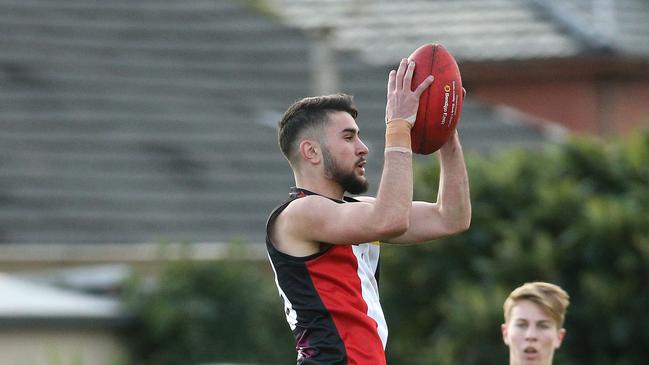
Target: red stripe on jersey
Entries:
(339, 287)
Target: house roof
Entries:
(128, 122)
(27, 301)
(487, 30)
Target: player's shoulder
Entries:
(303, 214)
(307, 205)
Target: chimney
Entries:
(322, 62)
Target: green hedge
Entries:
(576, 215)
(209, 312)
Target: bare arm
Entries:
(451, 213)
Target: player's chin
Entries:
(360, 179)
(364, 182)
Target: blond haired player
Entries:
(533, 328)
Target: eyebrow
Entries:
(544, 321)
(350, 130)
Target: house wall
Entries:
(595, 102)
(631, 107)
(36, 346)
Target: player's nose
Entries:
(530, 333)
(361, 148)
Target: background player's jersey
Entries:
(331, 300)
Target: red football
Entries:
(440, 105)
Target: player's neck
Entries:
(320, 185)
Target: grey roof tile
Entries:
(386, 30)
(52, 302)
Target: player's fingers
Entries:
(407, 77)
(400, 72)
(424, 85)
(391, 82)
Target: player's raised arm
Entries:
(436, 130)
(451, 213)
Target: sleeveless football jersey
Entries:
(331, 299)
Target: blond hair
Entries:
(551, 298)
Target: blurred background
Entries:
(138, 164)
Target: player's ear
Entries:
(560, 335)
(310, 151)
(503, 329)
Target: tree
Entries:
(209, 312)
(575, 214)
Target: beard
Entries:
(349, 181)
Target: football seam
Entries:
(423, 146)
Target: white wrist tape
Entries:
(399, 149)
(411, 119)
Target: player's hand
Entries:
(402, 101)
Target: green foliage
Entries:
(576, 215)
(209, 312)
